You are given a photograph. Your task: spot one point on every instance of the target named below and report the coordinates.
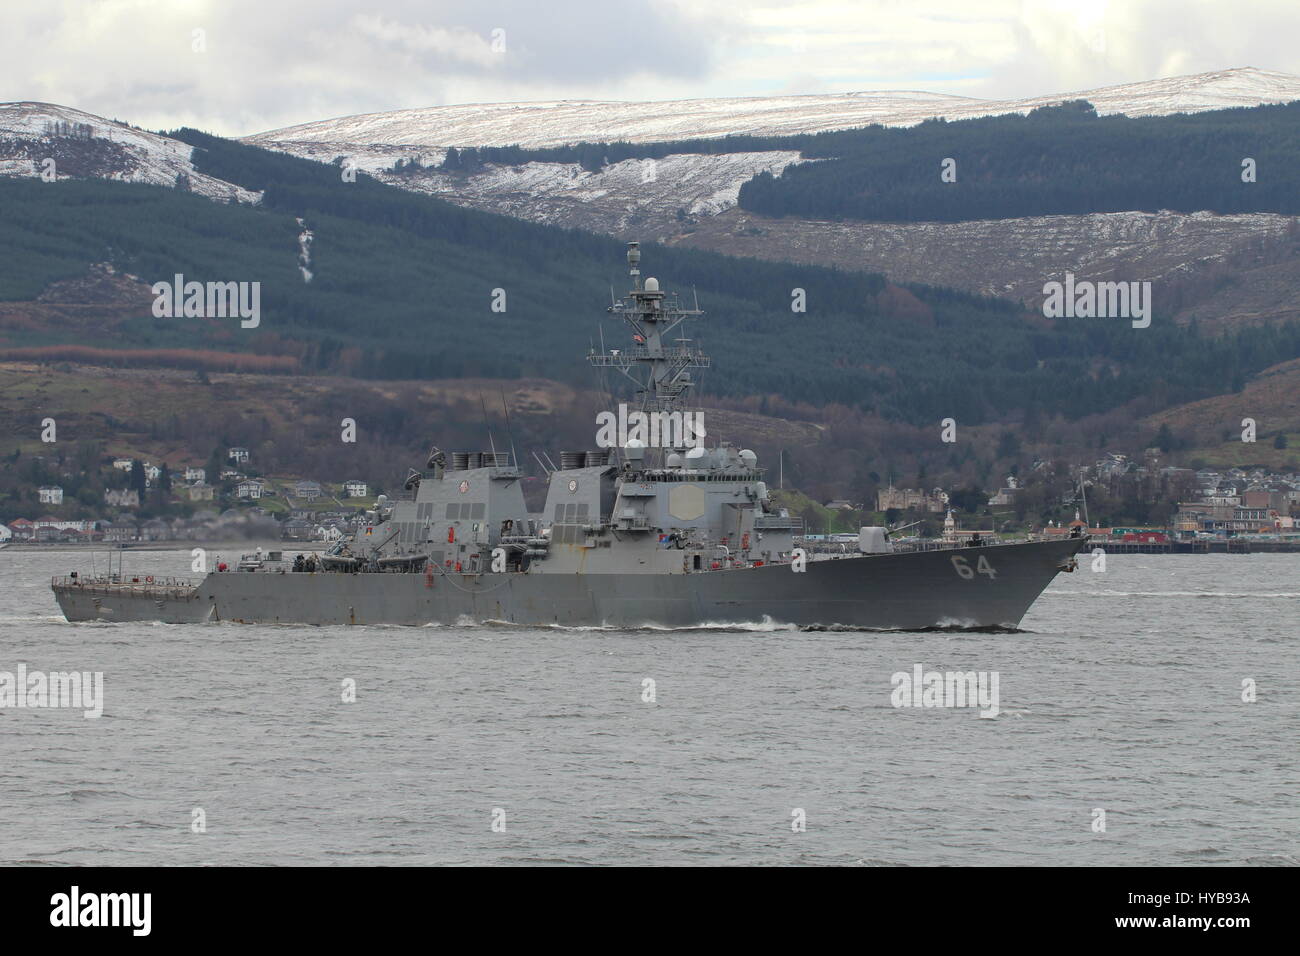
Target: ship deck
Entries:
(158, 589)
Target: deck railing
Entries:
(159, 587)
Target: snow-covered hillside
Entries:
(83, 145)
(688, 188)
(570, 121)
(653, 195)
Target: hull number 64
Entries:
(966, 572)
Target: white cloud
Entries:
(273, 64)
(458, 44)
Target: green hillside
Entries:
(403, 286)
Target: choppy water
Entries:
(1124, 692)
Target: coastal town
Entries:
(1229, 503)
(146, 502)
(134, 501)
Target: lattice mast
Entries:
(660, 371)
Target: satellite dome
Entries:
(675, 460)
(696, 453)
(748, 457)
(652, 284)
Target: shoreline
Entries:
(245, 545)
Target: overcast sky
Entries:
(274, 63)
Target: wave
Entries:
(1253, 595)
(764, 625)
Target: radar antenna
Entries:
(660, 372)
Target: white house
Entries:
(1007, 493)
(5, 533)
(122, 464)
(307, 489)
(51, 495)
(237, 454)
(195, 474)
(61, 525)
(251, 488)
(151, 472)
(126, 498)
(354, 489)
(120, 531)
(200, 491)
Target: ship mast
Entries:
(660, 371)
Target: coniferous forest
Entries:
(1059, 160)
(403, 287)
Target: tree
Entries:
(1164, 439)
(1008, 445)
(968, 500)
(216, 462)
(137, 482)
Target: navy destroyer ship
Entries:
(655, 528)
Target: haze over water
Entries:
(1124, 692)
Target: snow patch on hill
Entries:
(668, 189)
(557, 123)
(633, 192)
(83, 145)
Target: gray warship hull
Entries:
(893, 591)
